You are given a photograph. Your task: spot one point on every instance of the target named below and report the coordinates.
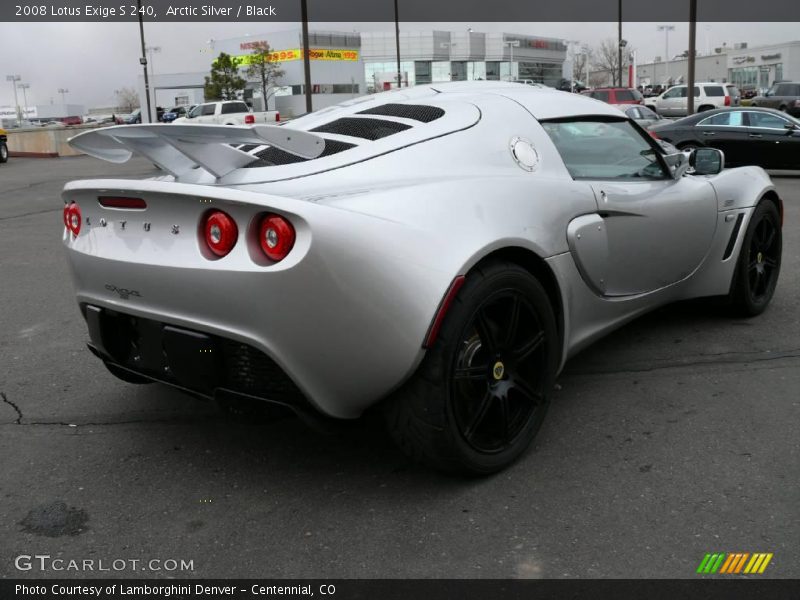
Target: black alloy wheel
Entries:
(759, 263)
(498, 376)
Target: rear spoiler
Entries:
(181, 148)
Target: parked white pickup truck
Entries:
(228, 112)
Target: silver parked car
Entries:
(442, 250)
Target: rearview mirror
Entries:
(707, 161)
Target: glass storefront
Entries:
(761, 77)
(381, 74)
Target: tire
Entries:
(3, 152)
(759, 263)
(480, 394)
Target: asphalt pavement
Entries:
(671, 438)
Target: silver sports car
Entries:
(441, 250)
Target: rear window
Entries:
(234, 107)
(714, 90)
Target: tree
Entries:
(127, 98)
(606, 58)
(224, 83)
(264, 69)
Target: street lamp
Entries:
(666, 29)
(511, 45)
(63, 92)
(23, 87)
(622, 44)
(570, 44)
(14, 79)
(150, 51)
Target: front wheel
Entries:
(480, 395)
(3, 152)
(759, 262)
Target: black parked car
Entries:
(748, 136)
(783, 95)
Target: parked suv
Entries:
(616, 95)
(783, 95)
(674, 102)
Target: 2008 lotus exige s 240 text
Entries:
(442, 250)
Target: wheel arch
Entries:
(772, 196)
(538, 267)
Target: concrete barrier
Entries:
(44, 142)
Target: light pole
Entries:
(14, 79)
(24, 87)
(150, 51)
(622, 44)
(511, 45)
(666, 29)
(63, 92)
(571, 45)
(143, 62)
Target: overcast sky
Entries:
(92, 60)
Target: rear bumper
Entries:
(205, 365)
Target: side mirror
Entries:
(707, 161)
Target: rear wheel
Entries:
(3, 152)
(480, 395)
(704, 108)
(759, 262)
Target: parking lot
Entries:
(673, 437)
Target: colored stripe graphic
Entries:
(734, 563)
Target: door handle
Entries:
(709, 133)
(755, 135)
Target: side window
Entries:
(766, 120)
(634, 113)
(697, 91)
(207, 109)
(625, 96)
(676, 92)
(647, 113)
(604, 150)
(601, 95)
(714, 90)
(728, 119)
(783, 90)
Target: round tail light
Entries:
(276, 236)
(221, 232)
(72, 214)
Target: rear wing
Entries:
(178, 149)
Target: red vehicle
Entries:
(616, 95)
(72, 120)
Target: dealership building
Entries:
(757, 67)
(349, 64)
